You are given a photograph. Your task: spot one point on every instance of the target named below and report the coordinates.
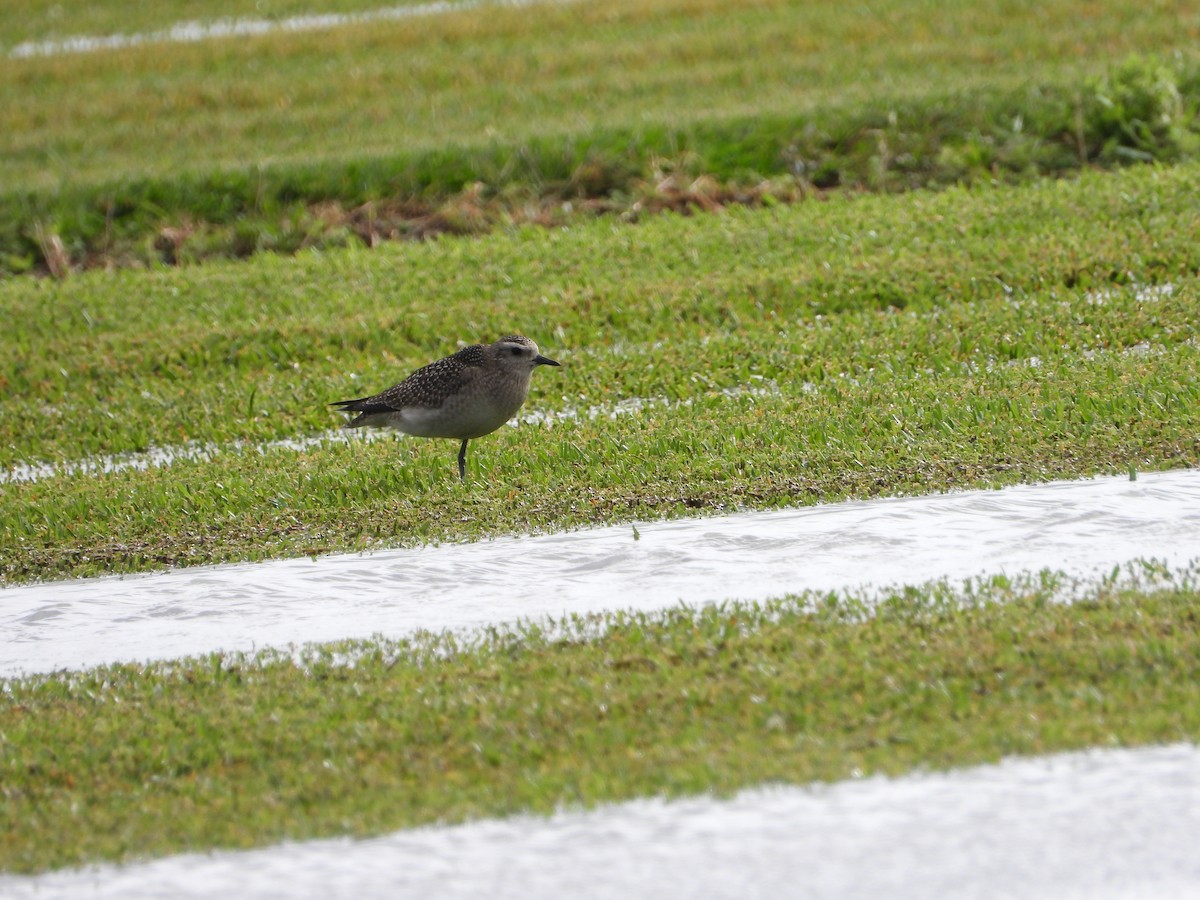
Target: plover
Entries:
(463, 396)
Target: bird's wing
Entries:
(427, 387)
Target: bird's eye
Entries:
(515, 351)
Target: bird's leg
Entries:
(462, 460)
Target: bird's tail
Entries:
(363, 405)
(366, 407)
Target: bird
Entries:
(464, 396)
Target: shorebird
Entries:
(463, 396)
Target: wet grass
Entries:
(127, 762)
(853, 348)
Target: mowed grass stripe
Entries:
(130, 762)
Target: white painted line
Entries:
(192, 32)
(1113, 824)
(1082, 528)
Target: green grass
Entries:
(229, 148)
(901, 344)
(128, 761)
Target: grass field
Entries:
(804, 343)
